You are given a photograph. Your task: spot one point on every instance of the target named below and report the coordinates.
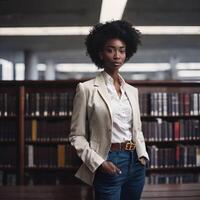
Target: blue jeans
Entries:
(125, 186)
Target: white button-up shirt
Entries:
(121, 111)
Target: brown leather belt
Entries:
(124, 146)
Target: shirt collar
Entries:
(109, 79)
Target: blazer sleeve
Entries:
(79, 135)
(141, 150)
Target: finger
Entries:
(118, 170)
(142, 161)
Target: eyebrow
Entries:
(121, 47)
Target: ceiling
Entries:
(155, 48)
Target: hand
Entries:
(110, 168)
(142, 160)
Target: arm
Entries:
(143, 157)
(79, 136)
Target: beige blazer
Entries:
(91, 125)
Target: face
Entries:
(113, 54)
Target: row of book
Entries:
(53, 177)
(163, 130)
(179, 156)
(8, 130)
(8, 104)
(169, 104)
(47, 130)
(153, 104)
(60, 104)
(8, 156)
(51, 156)
(49, 103)
(158, 130)
(6, 178)
(177, 178)
(59, 129)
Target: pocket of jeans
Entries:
(112, 157)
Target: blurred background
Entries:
(44, 39)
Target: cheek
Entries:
(124, 57)
(107, 58)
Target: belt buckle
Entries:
(130, 146)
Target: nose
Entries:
(117, 54)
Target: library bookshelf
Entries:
(35, 124)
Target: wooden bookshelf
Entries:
(36, 116)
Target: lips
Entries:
(117, 63)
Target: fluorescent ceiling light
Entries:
(145, 67)
(181, 66)
(112, 10)
(189, 74)
(76, 67)
(20, 68)
(41, 67)
(7, 69)
(169, 30)
(44, 31)
(139, 76)
(128, 67)
(84, 30)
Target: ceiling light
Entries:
(128, 67)
(84, 30)
(169, 30)
(145, 67)
(181, 66)
(41, 67)
(189, 74)
(44, 31)
(7, 69)
(76, 67)
(112, 10)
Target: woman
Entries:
(106, 126)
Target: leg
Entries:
(106, 186)
(132, 189)
(104, 193)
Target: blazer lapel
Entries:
(102, 89)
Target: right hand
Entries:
(110, 168)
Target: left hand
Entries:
(143, 160)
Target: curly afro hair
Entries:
(101, 33)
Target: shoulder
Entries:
(87, 84)
(86, 87)
(131, 88)
(92, 83)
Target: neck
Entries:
(113, 74)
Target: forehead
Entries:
(115, 42)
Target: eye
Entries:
(109, 50)
(122, 50)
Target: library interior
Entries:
(42, 60)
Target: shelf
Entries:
(174, 169)
(8, 168)
(171, 117)
(67, 117)
(45, 137)
(9, 117)
(173, 142)
(51, 168)
(8, 142)
(164, 169)
(46, 142)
